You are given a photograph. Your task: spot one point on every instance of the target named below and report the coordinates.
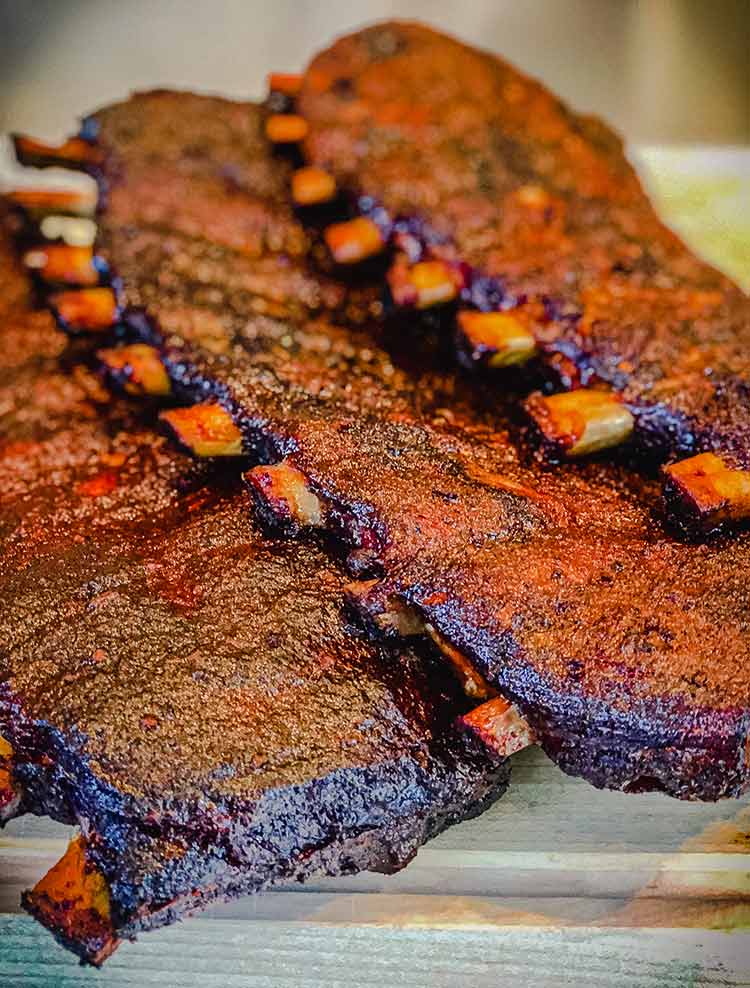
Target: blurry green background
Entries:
(662, 71)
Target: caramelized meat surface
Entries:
(457, 156)
(624, 648)
(183, 687)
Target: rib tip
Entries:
(500, 726)
(576, 423)
(353, 240)
(76, 153)
(64, 264)
(286, 128)
(288, 83)
(284, 492)
(73, 901)
(10, 794)
(138, 369)
(87, 310)
(705, 492)
(312, 186)
(424, 284)
(207, 430)
(496, 339)
(40, 202)
(472, 681)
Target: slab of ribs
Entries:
(285, 583)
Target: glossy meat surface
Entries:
(541, 211)
(625, 648)
(185, 688)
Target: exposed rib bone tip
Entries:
(74, 153)
(288, 83)
(138, 369)
(708, 490)
(583, 421)
(311, 186)
(73, 901)
(206, 430)
(473, 682)
(43, 202)
(423, 284)
(533, 197)
(500, 726)
(498, 339)
(88, 310)
(286, 128)
(354, 240)
(10, 794)
(388, 612)
(285, 491)
(63, 264)
(75, 231)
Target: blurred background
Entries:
(662, 71)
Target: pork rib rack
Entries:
(624, 649)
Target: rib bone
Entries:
(63, 264)
(500, 726)
(75, 153)
(354, 240)
(206, 429)
(579, 422)
(39, 202)
(286, 491)
(285, 128)
(311, 186)
(73, 900)
(498, 339)
(424, 284)
(707, 491)
(137, 368)
(89, 310)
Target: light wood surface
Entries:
(557, 885)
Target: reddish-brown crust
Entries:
(479, 165)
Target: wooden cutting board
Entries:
(557, 885)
